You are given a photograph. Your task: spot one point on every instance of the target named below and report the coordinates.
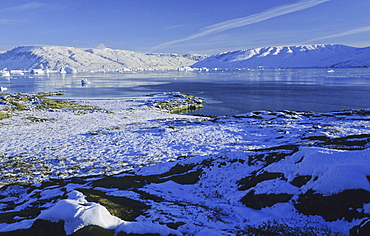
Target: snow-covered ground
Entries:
(39, 144)
(165, 173)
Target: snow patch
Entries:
(77, 213)
(337, 171)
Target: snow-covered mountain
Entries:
(106, 59)
(290, 57)
(56, 58)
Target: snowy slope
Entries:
(139, 170)
(290, 56)
(57, 57)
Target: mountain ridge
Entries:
(72, 59)
(86, 60)
(316, 55)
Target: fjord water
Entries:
(227, 92)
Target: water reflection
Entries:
(226, 92)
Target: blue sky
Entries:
(182, 26)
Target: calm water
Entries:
(226, 92)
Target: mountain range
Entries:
(57, 58)
(320, 55)
(86, 60)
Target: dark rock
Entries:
(39, 228)
(259, 201)
(174, 225)
(123, 208)
(273, 154)
(188, 178)
(334, 207)
(350, 142)
(301, 180)
(125, 234)
(182, 174)
(363, 229)
(252, 181)
(93, 230)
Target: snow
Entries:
(275, 186)
(24, 224)
(321, 55)
(73, 60)
(76, 213)
(131, 137)
(338, 170)
(68, 147)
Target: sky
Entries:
(183, 26)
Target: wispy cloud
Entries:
(22, 7)
(6, 21)
(247, 20)
(173, 27)
(345, 33)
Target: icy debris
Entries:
(4, 73)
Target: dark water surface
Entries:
(226, 92)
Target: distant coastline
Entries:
(58, 59)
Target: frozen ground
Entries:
(39, 143)
(259, 172)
